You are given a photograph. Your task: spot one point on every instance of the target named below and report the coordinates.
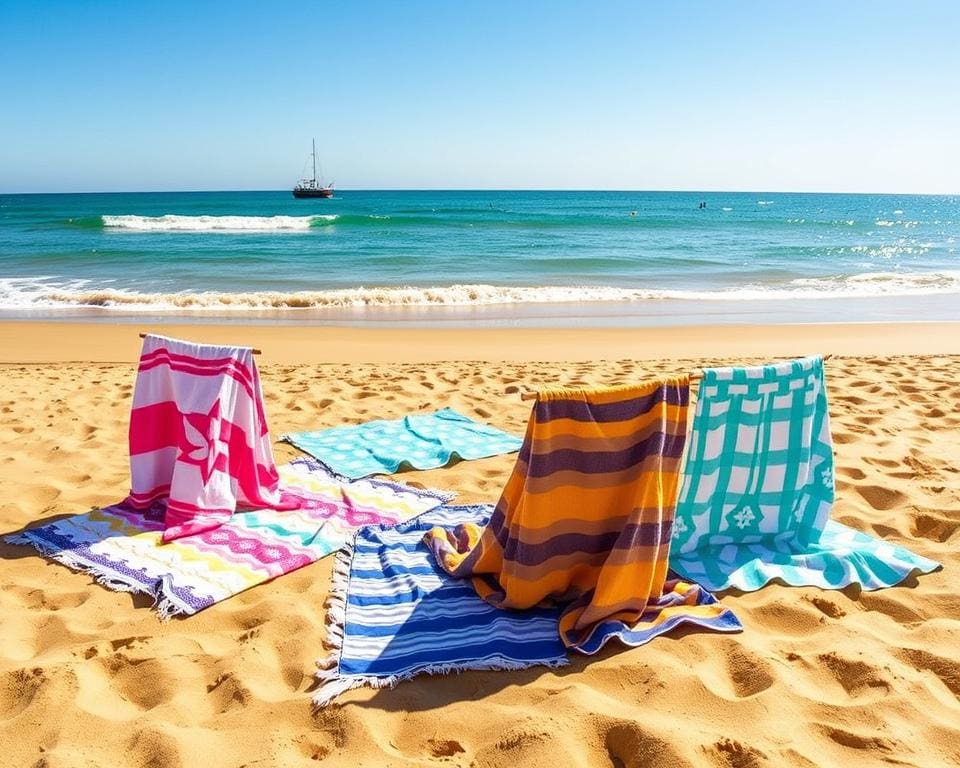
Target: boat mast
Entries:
(314, 162)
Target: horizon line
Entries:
(497, 190)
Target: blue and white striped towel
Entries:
(393, 613)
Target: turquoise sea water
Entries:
(478, 256)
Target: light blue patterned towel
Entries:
(393, 613)
(757, 489)
(420, 441)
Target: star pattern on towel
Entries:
(680, 527)
(200, 441)
(827, 476)
(746, 516)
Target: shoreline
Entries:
(46, 342)
(585, 312)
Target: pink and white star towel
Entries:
(199, 436)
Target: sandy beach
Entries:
(91, 677)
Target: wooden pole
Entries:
(255, 350)
(694, 376)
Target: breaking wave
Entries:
(45, 292)
(174, 223)
(407, 218)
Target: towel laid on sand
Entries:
(758, 487)
(419, 441)
(199, 441)
(585, 519)
(393, 613)
(121, 546)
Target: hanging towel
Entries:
(393, 614)
(199, 441)
(758, 487)
(418, 441)
(122, 549)
(585, 519)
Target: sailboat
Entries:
(310, 187)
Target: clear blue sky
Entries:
(737, 95)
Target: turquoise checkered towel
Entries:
(420, 441)
(757, 489)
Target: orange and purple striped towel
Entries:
(585, 520)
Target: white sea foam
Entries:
(897, 223)
(888, 251)
(174, 223)
(42, 293)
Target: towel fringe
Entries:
(328, 667)
(165, 606)
(166, 609)
(325, 663)
(115, 582)
(312, 461)
(333, 685)
(329, 691)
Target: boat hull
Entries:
(308, 193)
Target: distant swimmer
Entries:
(702, 205)
(633, 213)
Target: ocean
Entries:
(454, 257)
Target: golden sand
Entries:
(90, 677)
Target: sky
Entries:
(825, 96)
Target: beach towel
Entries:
(393, 613)
(418, 441)
(199, 441)
(585, 519)
(758, 487)
(122, 548)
